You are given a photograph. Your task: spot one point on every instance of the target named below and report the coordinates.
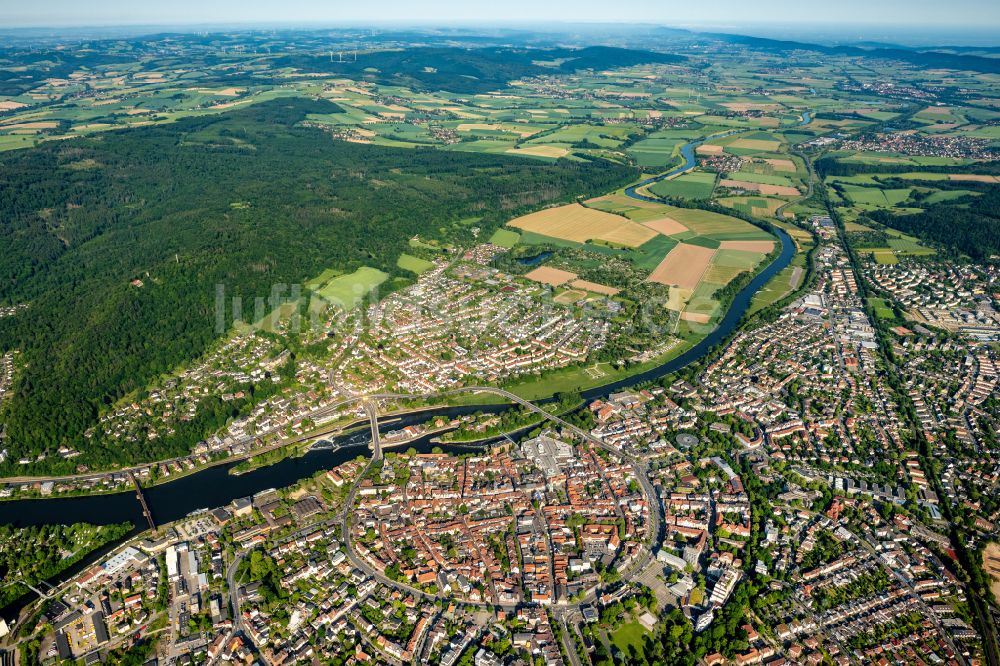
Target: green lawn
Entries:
(629, 636)
(881, 308)
(414, 264)
(579, 379)
(349, 290)
(505, 238)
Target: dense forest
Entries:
(970, 225)
(471, 70)
(34, 554)
(246, 199)
(834, 166)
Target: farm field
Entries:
(505, 238)
(693, 252)
(756, 206)
(693, 185)
(580, 224)
(748, 186)
(683, 266)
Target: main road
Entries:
(656, 517)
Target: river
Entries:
(215, 486)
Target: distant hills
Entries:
(930, 59)
(477, 70)
(245, 199)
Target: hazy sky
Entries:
(978, 13)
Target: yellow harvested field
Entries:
(10, 105)
(709, 149)
(718, 274)
(976, 178)
(755, 144)
(594, 287)
(622, 200)
(696, 317)
(683, 266)
(227, 105)
(779, 190)
(540, 151)
(678, 298)
(991, 562)
(666, 226)
(224, 92)
(550, 276)
(937, 110)
(468, 127)
(750, 246)
(749, 106)
(571, 296)
(580, 224)
(41, 124)
(782, 165)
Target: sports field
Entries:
(414, 264)
(505, 238)
(580, 224)
(570, 296)
(347, 291)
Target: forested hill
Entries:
(926, 59)
(470, 70)
(970, 225)
(246, 199)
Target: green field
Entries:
(882, 198)
(763, 179)
(714, 225)
(414, 264)
(655, 152)
(629, 637)
(651, 253)
(505, 238)
(694, 185)
(347, 291)
(881, 309)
